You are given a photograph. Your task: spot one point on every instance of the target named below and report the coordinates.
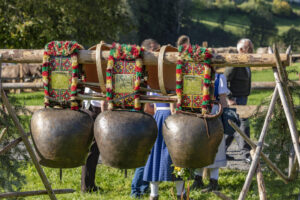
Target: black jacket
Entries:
(238, 80)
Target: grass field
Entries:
(239, 23)
(116, 187)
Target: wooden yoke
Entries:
(150, 59)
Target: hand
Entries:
(231, 102)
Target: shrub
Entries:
(292, 37)
(225, 4)
(261, 30)
(278, 141)
(280, 7)
(257, 6)
(10, 177)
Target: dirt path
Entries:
(238, 163)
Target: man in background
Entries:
(239, 83)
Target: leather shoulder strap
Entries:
(99, 65)
(161, 69)
(160, 66)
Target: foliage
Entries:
(261, 29)
(184, 173)
(203, 4)
(225, 4)
(32, 24)
(11, 179)
(226, 7)
(280, 7)
(278, 140)
(257, 7)
(292, 37)
(160, 20)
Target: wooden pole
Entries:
(28, 146)
(221, 195)
(34, 193)
(21, 75)
(294, 169)
(150, 58)
(0, 74)
(283, 77)
(284, 178)
(22, 85)
(281, 70)
(2, 133)
(260, 180)
(259, 146)
(270, 85)
(291, 160)
(11, 145)
(206, 173)
(254, 86)
(289, 117)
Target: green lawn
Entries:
(116, 186)
(29, 98)
(239, 23)
(267, 74)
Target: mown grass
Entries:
(29, 98)
(116, 186)
(238, 23)
(267, 74)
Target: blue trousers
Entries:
(138, 185)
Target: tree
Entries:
(280, 7)
(32, 24)
(261, 29)
(292, 37)
(160, 20)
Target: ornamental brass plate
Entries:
(192, 84)
(124, 83)
(60, 80)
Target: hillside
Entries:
(258, 21)
(238, 23)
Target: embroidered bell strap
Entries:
(124, 53)
(196, 54)
(56, 49)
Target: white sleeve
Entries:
(87, 90)
(223, 89)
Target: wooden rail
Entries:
(34, 193)
(254, 85)
(150, 58)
